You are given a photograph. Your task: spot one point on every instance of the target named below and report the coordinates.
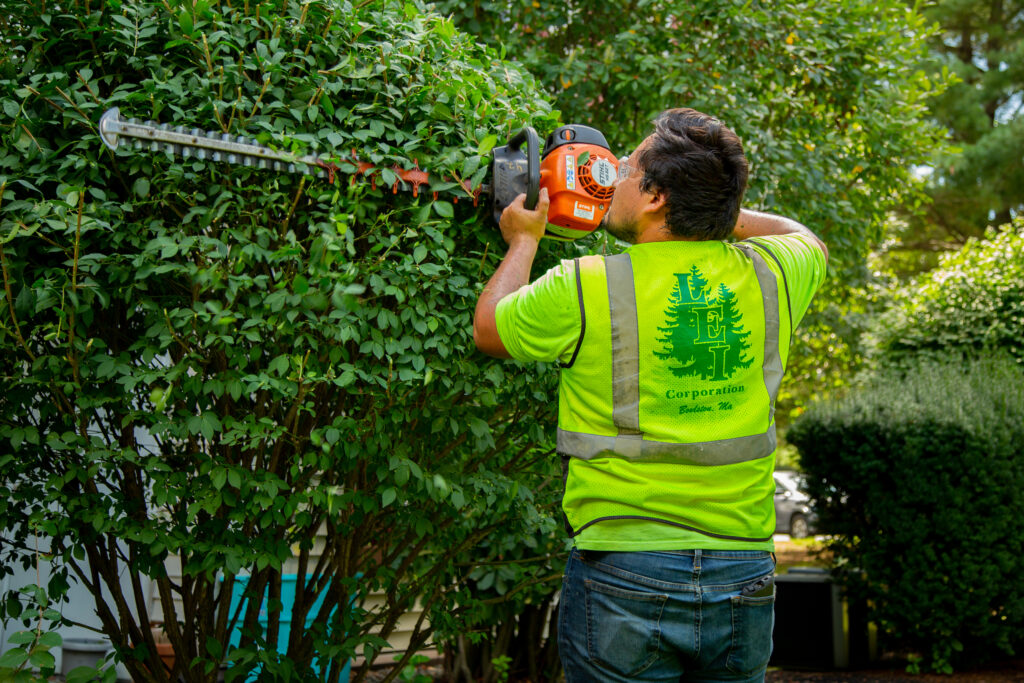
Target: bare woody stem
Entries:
(7, 289)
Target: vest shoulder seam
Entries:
(785, 280)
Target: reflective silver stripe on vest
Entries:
(723, 452)
(626, 383)
(770, 295)
(625, 345)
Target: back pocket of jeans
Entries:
(623, 627)
(752, 622)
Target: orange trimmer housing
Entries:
(579, 171)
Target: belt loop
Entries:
(696, 562)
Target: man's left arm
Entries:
(522, 230)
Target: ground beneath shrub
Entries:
(895, 671)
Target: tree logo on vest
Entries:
(704, 331)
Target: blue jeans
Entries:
(666, 616)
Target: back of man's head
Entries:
(699, 165)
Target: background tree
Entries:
(261, 373)
(980, 181)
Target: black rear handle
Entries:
(529, 135)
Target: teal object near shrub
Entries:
(287, 602)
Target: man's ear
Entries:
(655, 203)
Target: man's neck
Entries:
(659, 232)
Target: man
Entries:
(672, 358)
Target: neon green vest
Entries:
(667, 409)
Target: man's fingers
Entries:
(543, 202)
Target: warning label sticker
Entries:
(570, 172)
(583, 210)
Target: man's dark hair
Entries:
(700, 166)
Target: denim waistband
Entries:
(721, 554)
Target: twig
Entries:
(7, 289)
(29, 133)
(87, 87)
(256, 104)
(72, 357)
(81, 113)
(45, 98)
(206, 49)
(291, 211)
(526, 584)
(480, 270)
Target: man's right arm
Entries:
(757, 224)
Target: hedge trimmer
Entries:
(577, 167)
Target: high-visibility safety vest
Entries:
(679, 437)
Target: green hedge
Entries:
(261, 373)
(919, 474)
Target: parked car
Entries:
(793, 512)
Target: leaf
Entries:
(210, 424)
(388, 497)
(470, 165)
(478, 427)
(51, 639)
(141, 187)
(280, 365)
(185, 22)
(22, 638)
(14, 607)
(82, 674)
(487, 581)
(444, 209)
(486, 145)
(41, 659)
(12, 659)
(214, 647)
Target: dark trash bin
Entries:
(814, 627)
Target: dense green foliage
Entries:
(972, 302)
(270, 375)
(982, 182)
(918, 474)
(827, 97)
(261, 373)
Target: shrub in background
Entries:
(973, 301)
(919, 474)
(258, 372)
